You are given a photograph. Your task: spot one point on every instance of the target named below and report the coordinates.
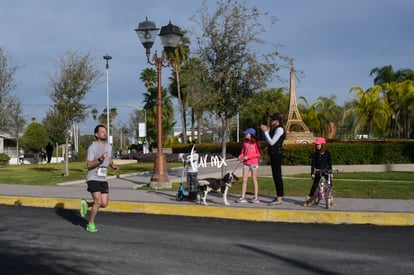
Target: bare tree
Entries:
(16, 121)
(195, 86)
(75, 75)
(54, 124)
(228, 47)
(7, 85)
(11, 118)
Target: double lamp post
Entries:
(170, 36)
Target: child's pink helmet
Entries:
(320, 140)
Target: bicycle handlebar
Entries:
(326, 171)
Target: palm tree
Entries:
(309, 115)
(113, 113)
(348, 122)
(180, 55)
(328, 114)
(401, 98)
(372, 109)
(404, 74)
(150, 105)
(390, 81)
(149, 77)
(385, 74)
(168, 122)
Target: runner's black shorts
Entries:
(97, 186)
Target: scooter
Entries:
(182, 194)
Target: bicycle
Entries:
(324, 190)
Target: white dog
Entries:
(208, 184)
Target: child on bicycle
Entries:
(321, 160)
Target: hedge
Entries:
(343, 153)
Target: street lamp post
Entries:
(107, 58)
(94, 113)
(169, 35)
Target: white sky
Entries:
(335, 43)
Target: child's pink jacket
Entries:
(252, 151)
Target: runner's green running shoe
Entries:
(91, 228)
(84, 208)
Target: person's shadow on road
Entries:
(71, 216)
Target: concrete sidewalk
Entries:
(126, 197)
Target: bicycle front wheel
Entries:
(328, 197)
(328, 201)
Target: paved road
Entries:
(125, 198)
(54, 241)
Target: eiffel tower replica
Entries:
(296, 129)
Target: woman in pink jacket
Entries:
(250, 155)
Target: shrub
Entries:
(4, 159)
(171, 142)
(81, 155)
(358, 152)
(343, 152)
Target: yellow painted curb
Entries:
(251, 214)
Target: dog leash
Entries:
(237, 166)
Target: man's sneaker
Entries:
(241, 199)
(91, 228)
(275, 202)
(254, 200)
(84, 208)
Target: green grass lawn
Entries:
(378, 185)
(52, 174)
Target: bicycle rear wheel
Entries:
(328, 196)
